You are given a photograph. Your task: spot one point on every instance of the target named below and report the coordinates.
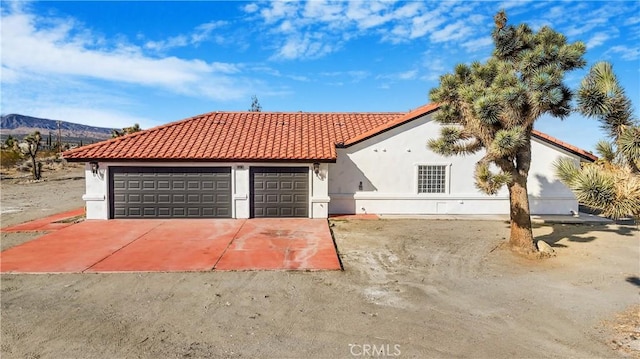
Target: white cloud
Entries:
(57, 68)
(434, 67)
(597, 39)
(100, 117)
(409, 10)
(279, 10)
(478, 44)
(303, 30)
(355, 76)
(632, 20)
(399, 76)
(27, 37)
(70, 100)
(451, 32)
(426, 23)
(251, 8)
(201, 33)
(322, 10)
(408, 75)
(305, 46)
(163, 45)
(625, 52)
(510, 4)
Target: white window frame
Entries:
(447, 179)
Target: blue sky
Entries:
(113, 64)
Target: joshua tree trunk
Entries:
(521, 235)
(35, 168)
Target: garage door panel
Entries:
(271, 185)
(193, 198)
(177, 184)
(149, 185)
(134, 198)
(223, 212)
(179, 198)
(194, 185)
(149, 211)
(279, 191)
(207, 198)
(208, 185)
(133, 184)
(271, 198)
(178, 212)
(163, 192)
(271, 212)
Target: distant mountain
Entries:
(15, 124)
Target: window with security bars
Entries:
(432, 179)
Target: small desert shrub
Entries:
(9, 158)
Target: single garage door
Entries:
(280, 191)
(170, 192)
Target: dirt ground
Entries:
(410, 288)
(22, 199)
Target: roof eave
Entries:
(216, 160)
(410, 116)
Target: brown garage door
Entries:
(280, 191)
(166, 192)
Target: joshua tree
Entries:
(29, 147)
(10, 142)
(612, 184)
(255, 104)
(125, 131)
(492, 106)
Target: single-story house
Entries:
(271, 164)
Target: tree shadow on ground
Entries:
(634, 280)
(580, 233)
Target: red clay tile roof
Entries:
(260, 136)
(565, 146)
(238, 136)
(411, 115)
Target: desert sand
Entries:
(411, 288)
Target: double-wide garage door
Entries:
(280, 191)
(165, 192)
(205, 192)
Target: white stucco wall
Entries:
(387, 167)
(97, 186)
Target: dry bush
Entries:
(9, 158)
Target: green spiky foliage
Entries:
(30, 146)
(255, 104)
(611, 184)
(614, 189)
(492, 106)
(126, 131)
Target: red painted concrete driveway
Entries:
(177, 245)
